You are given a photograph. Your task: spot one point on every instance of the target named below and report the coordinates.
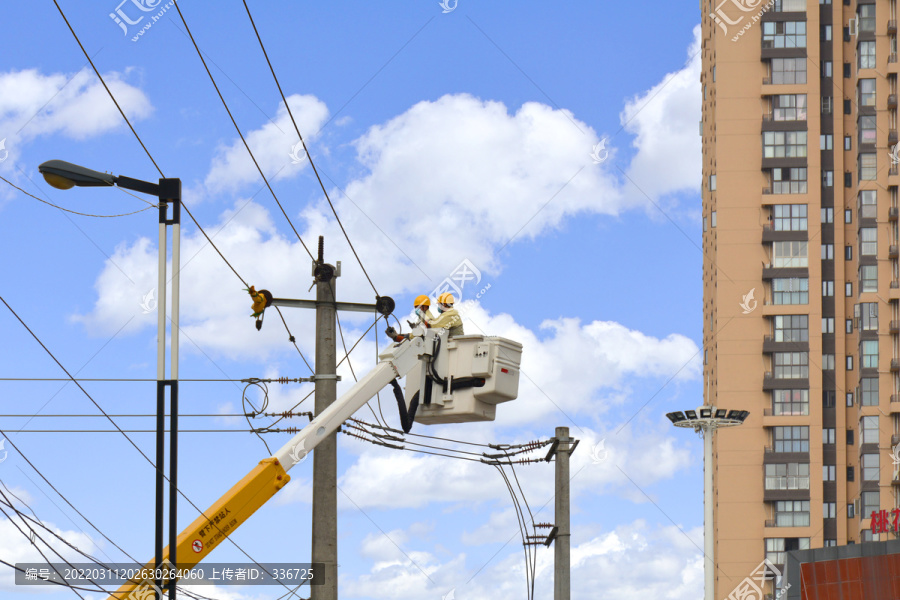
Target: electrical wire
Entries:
(349, 363)
(305, 149)
(74, 212)
(265, 404)
(246, 145)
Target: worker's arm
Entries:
(448, 319)
(211, 528)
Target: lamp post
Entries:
(705, 420)
(63, 175)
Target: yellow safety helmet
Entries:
(446, 298)
(422, 300)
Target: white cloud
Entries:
(633, 561)
(78, 109)
(272, 145)
(664, 121)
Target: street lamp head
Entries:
(63, 175)
(676, 417)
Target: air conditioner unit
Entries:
(853, 27)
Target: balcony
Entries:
(767, 190)
(894, 291)
(892, 26)
(895, 365)
(893, 251)
(770, 523)
(893, 213)
(892, 137)
(772, 235)
(892, 101)
(767, 81)
(770, 346)
(895, 327)
(895, 404)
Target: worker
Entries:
(449, 317)
(422, 306)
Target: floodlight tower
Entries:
(705, 420)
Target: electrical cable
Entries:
(305, 149)
(74, 212)
(265, 404)
(246, 145)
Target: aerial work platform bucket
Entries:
(469, 376)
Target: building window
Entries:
(712, 183)
(828, 543)
(828, 435)
(777, 548)
(848, 289)
(790, 402)
(848, 252)
(869, 463)
(827, 251)
(848, 216)
(828, 362)
(789, 181)
(789, 254)
(848, 143)
(868, 316)
(868, 166)
(789, 70)
(826, 33)
(867, 55)
(827, 105)
(704, 224)
(791, 328)
(712, 219)
(849, 398)
(827, 398)
(789, 6)
(789, 107)
(827, 177)
(866, 91)
(827, 324)
(867, 129)
(868, 241)
(784, 144)
(793, 290)
(791, 365)
(788, 476)
(849, 367)
(850, 438)
(868, 430)
(826, 141)
(868, 278)
(848, 325)
(791, 439)
(868, 350)
(828, 215)
(869, 502)
(866, 15)
(792, 513)
(826, 68)
(789, 217)
(784, 34)
(829, 473)
(827, 288)
(868, 389)
(868, 204)
(851, 474)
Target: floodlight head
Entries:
(705, 412)
(676, 417)
(64, 175)
(691, 414)
(720, 413)
(733, 414)
(743, 415)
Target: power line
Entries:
(74, 212)
(247, 146)
(305, 149)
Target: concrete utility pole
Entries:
(324, 503)
(561, 571)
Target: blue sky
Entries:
(441, 137)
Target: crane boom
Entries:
(233, 509)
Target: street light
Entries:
(710, 418)
(64, 176)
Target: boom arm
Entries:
(230, 511)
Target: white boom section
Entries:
(395, 362)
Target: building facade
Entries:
(800, 272)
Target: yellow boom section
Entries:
(218, 522)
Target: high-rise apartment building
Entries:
(800, 274)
